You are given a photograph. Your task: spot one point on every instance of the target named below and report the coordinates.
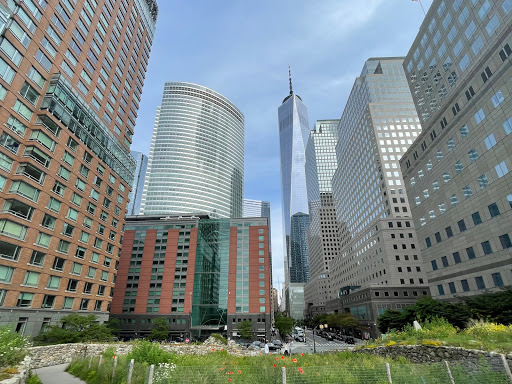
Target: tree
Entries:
(114, 325)
(245, 329)
(75, 328)
(284, 324)
(159, 329)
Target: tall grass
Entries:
(220, 367)
(478, 335)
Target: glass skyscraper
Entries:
(322, 239)
(135, 196)
(196, 160)
(293, 137)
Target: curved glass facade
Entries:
(196, 160)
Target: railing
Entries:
(288, 371)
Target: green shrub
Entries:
(13, 347)
(490, 332)
(220, 338)
(34, 379)
(150, 353)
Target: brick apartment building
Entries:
(71, 78)
(203, 275)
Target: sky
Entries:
(242, 49)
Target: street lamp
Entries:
(322, 326)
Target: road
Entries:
(322, 345)
(56, 375)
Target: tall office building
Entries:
(457, 171)
(293, 137)
(322, 239)
(379, 266)
(196, 159)
(135, 196)
(257, 208)
(203, 275)
(71, 80)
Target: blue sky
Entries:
(242, 50)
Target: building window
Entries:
(494, 210)
(462, 225)
(486, 247)
(480, 284)
(471, 253)
(452, 287)
(440, 288)
(444, 260)
(434, 265)
(456, 258)
(465, 285)
(476, 218)
(501, 169)
(505, 241)
(496, 278)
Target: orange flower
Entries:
(229, 380)
(220, 369)
(230, 373)
(274, 365)
(302, 354)
(233, 363)
(277, 358)
(239, 372)
(282, 357)
(301, 370)
(223, 362)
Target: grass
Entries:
(438, 332)
(220, 367)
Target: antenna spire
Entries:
(290, 75)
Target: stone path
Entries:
(56, 375)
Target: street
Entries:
(322, 345)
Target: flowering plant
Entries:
(163, 373)
(13, 347)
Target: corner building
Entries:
(196, 159)
(379, 266)
(71, 78)
(457, 172)
(203, 275)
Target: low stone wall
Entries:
(60, 354)
(469, 358)
(23, 373)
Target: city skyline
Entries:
(252, 70)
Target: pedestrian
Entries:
(286, 348)
(266, 348)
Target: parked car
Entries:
(328, 336)
(349, 340)
(273, 347)
(277, 343)
(179, 339)
(299, 338)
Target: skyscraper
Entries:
(256, 208)
(71, 81)
(322, 239)
(196, 160)
(293, 137)
(457, 172)
(379, 266)
(135, 196)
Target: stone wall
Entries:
(60, 354)
(23, 373)
(469, 358)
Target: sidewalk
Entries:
(56, 375)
